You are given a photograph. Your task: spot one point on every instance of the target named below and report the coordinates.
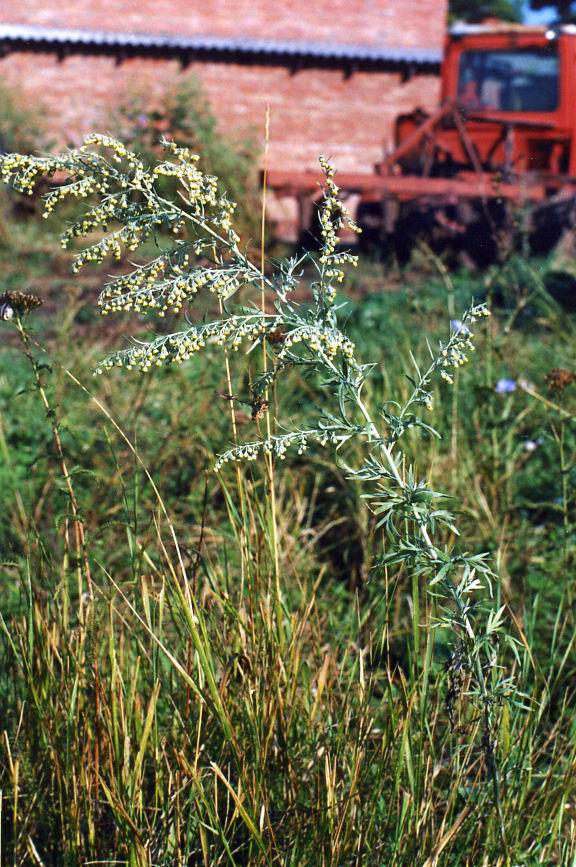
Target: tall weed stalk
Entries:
(198, 251)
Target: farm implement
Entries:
(498, 155)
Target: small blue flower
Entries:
(505, 386)
(459, 327)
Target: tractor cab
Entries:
(508, 104)
(509, 71)
(508, 81)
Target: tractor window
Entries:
(521, 80)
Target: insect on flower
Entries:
(258, 406)
(276, 336)
(259, 409)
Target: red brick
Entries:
(376, 22)
(312, 111)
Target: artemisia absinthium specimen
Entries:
(127, 203)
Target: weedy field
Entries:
(303, 658)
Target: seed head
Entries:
(18, 302)
(558, 379)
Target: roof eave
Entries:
(188, 49)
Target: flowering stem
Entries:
(308, 337)
(474, 660)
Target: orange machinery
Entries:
(504, 132)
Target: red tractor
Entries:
(503, 137)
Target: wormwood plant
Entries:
(198, 250)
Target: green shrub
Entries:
(185, 115)
(21, 128)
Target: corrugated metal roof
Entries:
(556, 28)
(29, 38)
(462, 28)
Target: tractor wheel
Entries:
(416, 224)
(374, 218)
(560, 276)
(480, 244)
(490, 232)
(550, 223)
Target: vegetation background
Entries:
(339, 744)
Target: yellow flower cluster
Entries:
(141, 291)
(201, 188)
(88, 172)
(177, 348)
(119, 150)
(334, 273)
(24, 171)
(129, 237)
(328, 341)
(333, 215)
(453, 355)
(135, 290)
(127, 195)
(98, 216)
(277, 446)
(79, 189)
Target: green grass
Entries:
(166, 723)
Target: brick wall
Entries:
(404, 23)
(312, 111)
